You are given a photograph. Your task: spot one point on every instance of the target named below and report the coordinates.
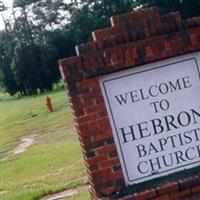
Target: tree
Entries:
(47, 13)
(8, 77)
(188, 8)
(32, 53)
(44, 31)
(6, 44)
(94, 14)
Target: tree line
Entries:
(40, 32)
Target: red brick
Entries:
(192, 197)
(102, 136)
(101, 33)
(149, 52)
(129, 197)
(114, 21)
(95, 108)
(95, 160)
(134, 39)
(195, 189)
(180, 194)
(114, 176)
(167, 188)
(194, 39)
(189, 182)
(164, 197)
(85, 48)
(106, 149)
(108, 163)
(108, 191)
(148, 194)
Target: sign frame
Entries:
(131, 72)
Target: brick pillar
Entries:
(134, 39)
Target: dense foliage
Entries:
(40, 32)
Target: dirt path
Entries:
(26, 141)
(65, 194)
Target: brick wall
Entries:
(133, 39)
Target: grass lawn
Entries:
(53, 162)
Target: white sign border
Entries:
(132, 71)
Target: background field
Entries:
(53, 163)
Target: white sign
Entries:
(154, 111)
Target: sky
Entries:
(8, 3)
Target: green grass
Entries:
(53, 163)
